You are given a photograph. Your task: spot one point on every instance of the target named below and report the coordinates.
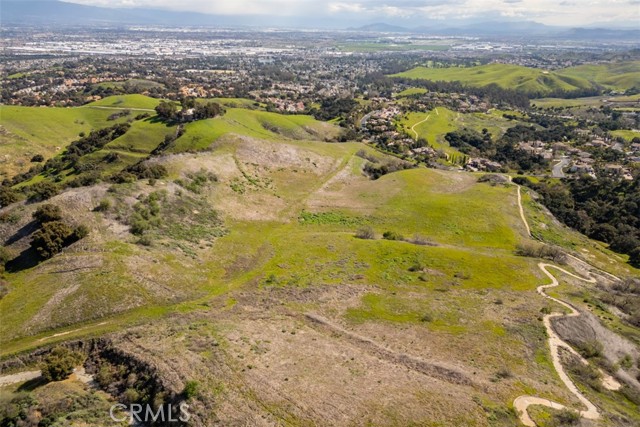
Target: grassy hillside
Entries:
(138, 102)
(612, 76)
(434, 125)
(26, 131)
(250, 267)
(623, 75)
(257, 124)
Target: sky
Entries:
(410, 12)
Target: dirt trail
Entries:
(521, 403)
(413, 128)
(19, 378)
(435, 370)
(118, 108)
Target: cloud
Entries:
(553, 12)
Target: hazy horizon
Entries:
(616, 13)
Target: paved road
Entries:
(557, 168)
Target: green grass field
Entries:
(138, 83)
(626, 134)
(290, 206)
(126, 101)
(256, 124)
(617, 76)
(47, 131)
(444, 121)
(593, 101)
(411, 91)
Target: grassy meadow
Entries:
(618, 76)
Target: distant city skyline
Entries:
(408, 12)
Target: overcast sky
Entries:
(560, 12)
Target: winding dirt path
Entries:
(521, 403)
(413, 128)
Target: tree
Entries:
(51, 238)
(59, 364)
(7, 196)
(42, 191)
(166, 110)
(47, 213)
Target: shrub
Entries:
(5, 257)
(103, 206)
(47, 213)
(139, 226)
(417, 267)
(552, 253)
(590, 349)
(191, 389)
(37, 158)
(80, 232)
(7, 196)
(366, 233)
(565, 418)
(131, 395)
(419, 239)
(42, 191)
(503, 373)
(392, 235)
(51, 238)
(426, 318)
(59, 364)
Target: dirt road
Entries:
(521, 403)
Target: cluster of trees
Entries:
(140, 170)
(334, 107)
(377, 169)
(53, 234)
(604, 209)
(504, 150)
(465, 140)
(191, 110)
(550, 132)
(492, 93)
(60, 363)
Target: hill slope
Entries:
(615, 76)
(245, 275)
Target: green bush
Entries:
(103, 206)
(51, 238)
(7, 196)
(59, 364)
(565, 418)
(47, 213)
(191, 389)
(5, 257)
(80, 232)
(42, 191)
(590, 349)
(392, 235)
(366, 233)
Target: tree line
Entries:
(604, 209)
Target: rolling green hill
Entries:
(612, 76)
(257, 124)
(241, 271)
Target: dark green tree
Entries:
(51, 238)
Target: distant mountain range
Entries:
(508, 28)
(38, 12)
(58, 13)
